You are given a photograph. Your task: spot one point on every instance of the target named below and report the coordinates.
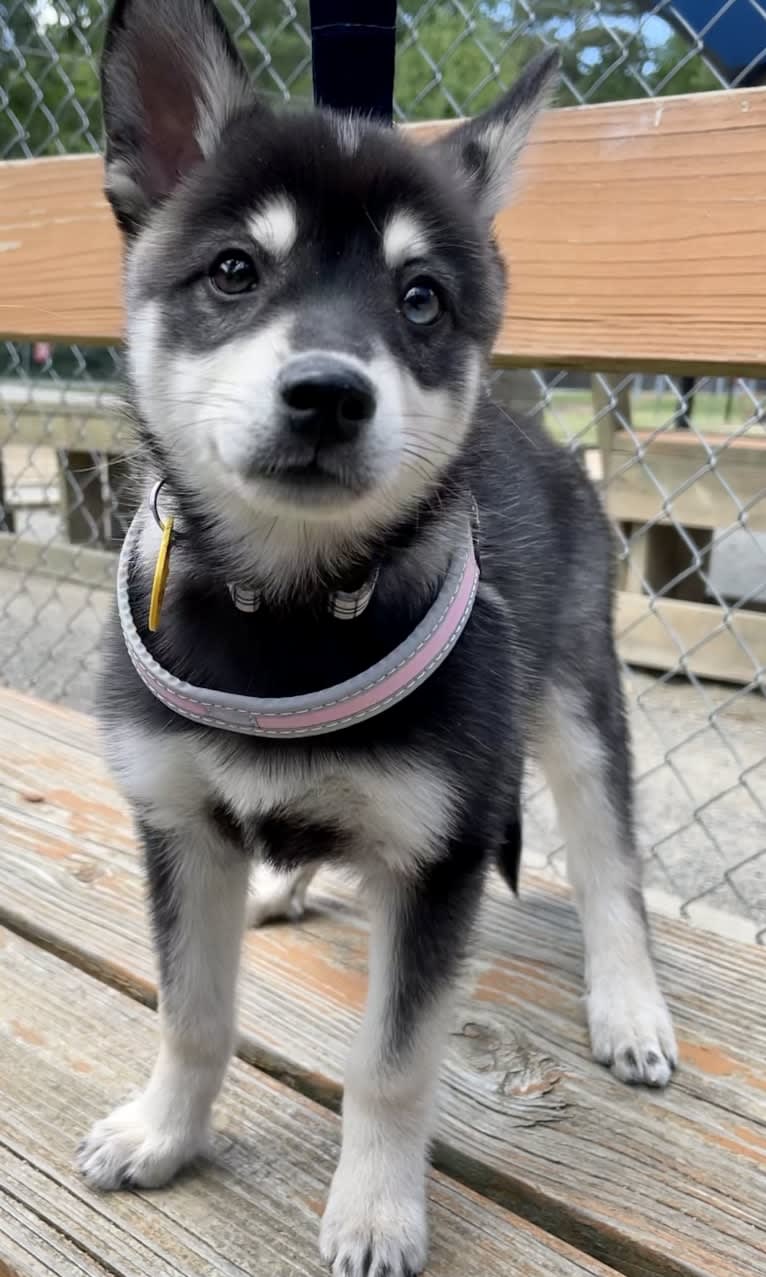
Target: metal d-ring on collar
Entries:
(344, 605)
(154, 498)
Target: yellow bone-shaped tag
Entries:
(161, 570)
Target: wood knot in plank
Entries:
(505, 1071)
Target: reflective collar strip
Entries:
(354, 701)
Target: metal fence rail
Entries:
(657, 445)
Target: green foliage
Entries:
(49, 81)
(446, 64)
(610, 52)
(275, 41)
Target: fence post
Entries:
(7, 516)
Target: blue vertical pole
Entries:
(353, 44)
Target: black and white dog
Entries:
(311, 304)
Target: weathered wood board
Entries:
(703, 495)
(70, 1048)
(655, 1184)
(710, 641)
(637, 240)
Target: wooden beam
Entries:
(638, 240)
(60, 259)
(700, 493)
(71, 416)
(7, 516)
(57, 560)
(713, 644)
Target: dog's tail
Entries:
(509, 852)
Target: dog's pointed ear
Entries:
(485, 150)
(171, 80)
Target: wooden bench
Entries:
(623, 254)
(646, 1184)
(637, 243)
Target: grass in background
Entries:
(570, 414)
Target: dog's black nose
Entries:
(326, 400)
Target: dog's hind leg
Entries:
(586, 758)
(198, 885)
(375, 1221)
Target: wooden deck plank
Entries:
(30, 1246)
(670, 1184)
(637, 240)
(70, 1048)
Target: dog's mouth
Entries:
(317, 479)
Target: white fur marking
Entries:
(377, 1198)
(404, 239)
(275, 227)
(629, 1022)
(277, 897)
(224, 92)
(148, 1139)
(349, 133)
(142, 351)
(398, 814)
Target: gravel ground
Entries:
(700, 789)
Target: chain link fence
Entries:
(663, 448)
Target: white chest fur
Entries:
(397, 812)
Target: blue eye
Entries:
(421, 303)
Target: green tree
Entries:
(49, 94)
(611, 50)
(445, 66)
(49, 51)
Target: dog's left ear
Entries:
(486, 149)
(171, 80)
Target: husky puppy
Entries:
(311, 304)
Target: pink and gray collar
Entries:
(359, 698)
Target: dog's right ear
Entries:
(171, 79)
(484, 151)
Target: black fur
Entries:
(509, 853)
(430, 926)
(159, 856)
(289, 842)
(192, 161)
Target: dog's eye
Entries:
(421, 303)
(233, 272)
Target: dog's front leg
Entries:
(198, 885)
(375, 1221)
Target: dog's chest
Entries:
(399, 811)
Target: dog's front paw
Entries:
(631, 1031)
(364, 1235)
(130, 1149)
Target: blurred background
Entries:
(681, 461)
